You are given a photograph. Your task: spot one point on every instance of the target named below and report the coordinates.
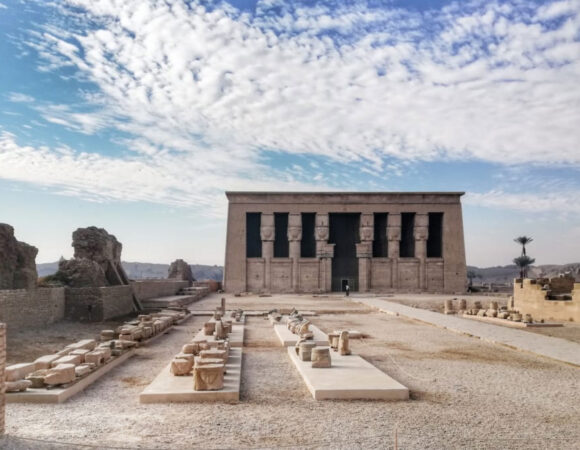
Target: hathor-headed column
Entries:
(421, 233)
(267, 235)
(364, 252)
(324, 252)
(294, 238)
(394, 238)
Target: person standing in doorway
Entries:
(347, 289)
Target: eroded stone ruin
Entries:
(181, 270)
(18, 261)
(96, 262)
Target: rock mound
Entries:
(17, 261)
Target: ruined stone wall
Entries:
(31, 308)
(2, 382)
(146, 289)
(95, 304)
(531, 299)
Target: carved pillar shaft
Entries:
(267, 235)
(324, 252)
(394, 238)
(364, 252)
(294, 238)
(421, 233)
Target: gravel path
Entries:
(465, 394)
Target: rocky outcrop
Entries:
(180, 270)
(97, 260)
(17, 261)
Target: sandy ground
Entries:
(465, 394)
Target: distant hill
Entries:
(506, 274)
(139, 271)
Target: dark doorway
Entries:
(435, 239)
(253, 239)
(344, 233)
(280, 235)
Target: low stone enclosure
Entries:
(548, 298)
(92, 286)
(56, 377)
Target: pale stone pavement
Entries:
(550, 347)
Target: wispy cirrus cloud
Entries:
(207, 87)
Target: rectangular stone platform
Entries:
(172, 300)
(289, 339)
(349, 378)
(510, 323)
(236, 337)
(167, 388)
(60, 395)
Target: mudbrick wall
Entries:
(2, 367)
(94, 304)
(31, 308)
(146, 289)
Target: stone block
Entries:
(320, 357)
(61, 374)
(82, 370)
(208, 377)
(107, 335)
(80, 352)
(75, 360)
(181, 366)
(18, 386)
(17, 372)
(88, 344)
(37, 378)
(96, 357)
(190, 348)
(45, 362)
(215, 353)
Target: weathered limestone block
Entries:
(75, 360)
(191, 348)
(449, 309)
(481, 313)
(208, 377)
(19, 371)
(80, 352)
(37, 378)
(493, 305)
(528, 318)
(98, 356)
(208, 328)
(107, 335)
(89, 344)
(18, 386)
(181, 367)
(503, 315)
(320, 357)
(491, 313)
(462, 304)
(215, 353)
(61, 374)
(477, 305)
(220, 330)
(82, 370)
(17, 263)
(516, 317)
(187, 356)
(305, 350)
(44, 362)
(180, 270)
(303, 328)
(223, 305)
(332, 336)
(343, 343)
(217, 315)
(123, 345)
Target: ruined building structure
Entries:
(322, 242)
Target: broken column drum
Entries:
(343, 343)
(320, 357)
(208, 377)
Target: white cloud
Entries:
(17, 97)
(564, 203)
(201, 90)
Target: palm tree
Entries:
(523, 240)
(523, 262)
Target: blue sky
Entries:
(136, 116)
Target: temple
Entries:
(323, 242)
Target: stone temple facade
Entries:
(321, 242)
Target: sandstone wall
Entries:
(146, 289)
(95, 304)
(531, 299)
(2, 383)
(31, 308)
